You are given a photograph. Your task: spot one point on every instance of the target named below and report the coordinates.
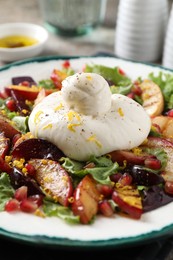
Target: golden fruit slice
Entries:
(153, 101)
(165, 124)
(86, 199)
(53, 179)
(128, 199)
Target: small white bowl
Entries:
(24, 29)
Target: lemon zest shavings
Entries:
(92, 138)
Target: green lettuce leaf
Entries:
(110, 74)
(165, 82)
(102, 171)
(52, 209)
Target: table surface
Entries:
(100, 40)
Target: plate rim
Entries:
(113, 243)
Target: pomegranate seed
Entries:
(21, 193)
(12, 205)
(3, 94)
(30, 168)
(105, 208)
(115, 177)
(170, 113)
(66, 64)
(152, 163)
(121, 71)
(136, 90)
(126, 179)
(28, 206)
(169, 187)
(131, 95)
(105, 190)
(10, 104)
(25, 83)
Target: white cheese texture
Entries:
(85, 118)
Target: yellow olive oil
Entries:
(16, 41)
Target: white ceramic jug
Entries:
(140, 29)
(168, 44)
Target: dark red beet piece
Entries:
(155, 197)
(141, 176)
(21, 79)
(18, 179)
(36, 148)
(20, 102)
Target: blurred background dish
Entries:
(21, 40)
(68, 17)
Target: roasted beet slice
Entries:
(155, 197)
(20, 103)
(141, 176)
(23, 79)
(53, 179)
(18, 179)
(36, 148)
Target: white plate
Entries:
(104, 232)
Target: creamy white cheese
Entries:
(87, 93)
(85, 119)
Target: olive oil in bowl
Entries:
(16, 41)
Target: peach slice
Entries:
(122, 155)
(153, 101)
(29, 93)
(86, 198)
(53, 179)
(165, 124)
(128, 199)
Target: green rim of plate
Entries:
(58, 57)
(56, 242)
(61, 243)
(38, 59)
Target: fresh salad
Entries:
(38, 177)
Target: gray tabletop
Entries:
(100, 39)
